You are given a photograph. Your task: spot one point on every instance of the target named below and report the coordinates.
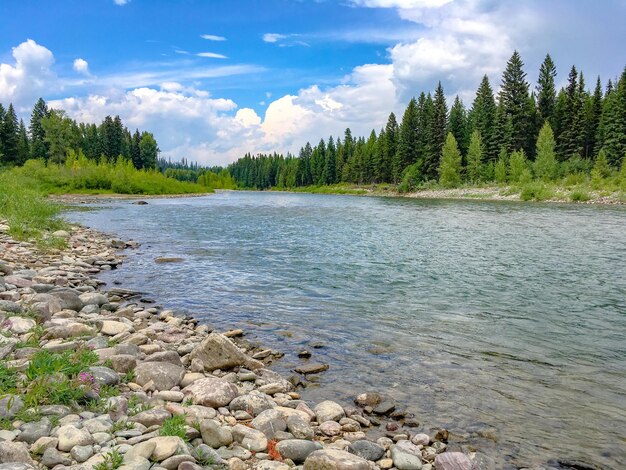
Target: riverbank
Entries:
(102, 378)
(532, 192)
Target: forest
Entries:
(520, 135)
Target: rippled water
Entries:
(504, 322)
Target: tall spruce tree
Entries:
(10, 136)
(329, 174)
(546, 90)
(390, 146)
(23, 144)
(513, 99)
(439, 126)
(38, 148)
(407, 141)
(482, 118)
(2, 113)
(570, 141)
(593, 113)
(457, 124)
(613, 123)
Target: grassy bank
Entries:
(30, 215)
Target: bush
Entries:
(579, 195)
(535, 191)
(411, 178)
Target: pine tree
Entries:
(390, 146)
(613, 123)
(450, 164)
(407, 142)
(329, 174)
(425, 117)
(457, 124)
(513, 99)
(570, 141)
(38, 148)
(475, 158)
(503, 130)
(545, 163)
(23, 144)
(482, 118)
(546, 91)
(9, 130)
(593, 113)
(2, 113)
(438, 133)
(135, 150)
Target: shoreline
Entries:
(491, 194)
(156, 366)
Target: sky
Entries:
(215, 79)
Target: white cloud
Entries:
(273, 37)
(29, 77)
(211, 55)
(213, 37)
(121, 2)
(81, 66)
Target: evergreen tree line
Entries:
(51, 135)
(215, 177)
(516, 135)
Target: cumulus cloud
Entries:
(121, 2)
(81, 66)
(29, 76)
(212, 37)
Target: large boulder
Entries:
(164, 375)
(93, 298)
(210, 391)
(269, 422)
(70, 436)
(68, 298)
(249, 438)
(367, 450)
(406, 456)
(11, 307)
(334, 459)
(218, 352)
(214, 435)
(15, 452)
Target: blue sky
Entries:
(214, 79)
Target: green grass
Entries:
(28, 214)
(174, 426)
(580, 195)
(536, 191)
(83, 176)
(112, 461)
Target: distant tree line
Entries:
(51, 135)
(215, 177)
(516, 135)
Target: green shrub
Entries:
(536, 191)
(579, 195)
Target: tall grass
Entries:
(81, 175)
(23, 206)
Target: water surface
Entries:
(504, 322)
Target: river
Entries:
(503, 322)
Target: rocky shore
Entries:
(97, 379)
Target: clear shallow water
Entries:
(504, 322)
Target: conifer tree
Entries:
(513, 99)
(329, 173)
(438, 133)
(457, 124)
(10, 135)
(545, 163)
(450, 164)
(38, 148)
(571, 135)
(475, 158)
(425, 116)
(593, 114)
(482, 118)
(23, 144)
(390, 146)
(613, 123)
(407, 141)
(148, 150)
(546, 90)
